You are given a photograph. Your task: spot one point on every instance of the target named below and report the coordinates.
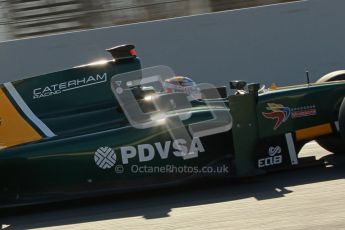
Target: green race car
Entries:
(112, 127)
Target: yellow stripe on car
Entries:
(312, 132)
(14, 129)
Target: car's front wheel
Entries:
(335, 143)
(342, 120)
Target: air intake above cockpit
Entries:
(122, 52)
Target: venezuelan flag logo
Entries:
(278, 112)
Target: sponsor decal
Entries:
(274, 157)
(305, 111)
(58, 88)
(105, 157)
(278, 112)
(282, 113)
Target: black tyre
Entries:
(342, 120)
(335, 143)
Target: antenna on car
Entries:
(307, 74)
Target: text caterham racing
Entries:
(113, 126)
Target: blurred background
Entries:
(28, 18)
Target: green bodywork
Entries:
(87, 118)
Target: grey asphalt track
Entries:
(308, 198)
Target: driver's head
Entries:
(178, 84)
(182, 85)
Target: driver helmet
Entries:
(180, 84)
